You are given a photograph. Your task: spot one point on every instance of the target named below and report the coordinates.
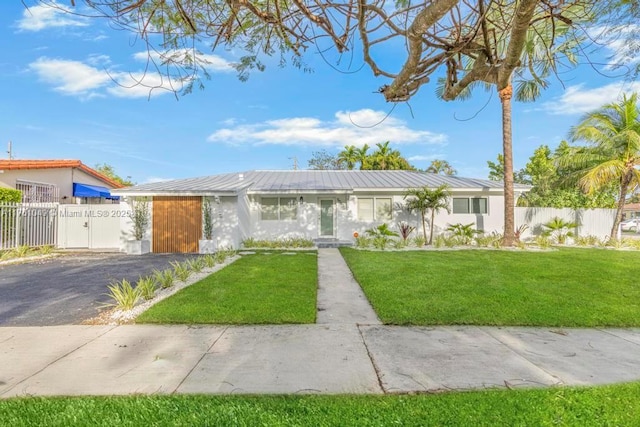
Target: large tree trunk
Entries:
(507, 148)
(624, 185)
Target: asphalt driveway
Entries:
(70, 288)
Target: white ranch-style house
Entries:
(314, 204)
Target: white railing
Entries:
(31, 224)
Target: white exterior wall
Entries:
(307, 223)
(591, 222)
(126, 224)
(63, 178)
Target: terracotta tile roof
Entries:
(632, 206)
(57, 164)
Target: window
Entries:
(370, 209)
(279, 208)
(475, 205)
(365, 209)
(37, 192)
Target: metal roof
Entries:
(312, 181)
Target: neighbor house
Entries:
(57, 181)
(323, 204)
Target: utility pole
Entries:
(9, 151)
(295, 162)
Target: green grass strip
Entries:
(566, 287)
(617, 405)
(265, 288)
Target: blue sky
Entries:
(64, 95)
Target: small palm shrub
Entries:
(164, 278)
(381, 235)
(181, 271)
(405, 230)
(124, 296)
(520, 231)
(558, 230)
(399, 244)
(147, 287)
(462, 232)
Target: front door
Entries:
(326, 217)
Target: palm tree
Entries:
(363, 157)
(613, 153)
(424, 199)
(441, 167)
(384, 156)
(349, 156)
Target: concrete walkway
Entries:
(348, 351)
(340, 298)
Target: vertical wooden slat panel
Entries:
(177, 224)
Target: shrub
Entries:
(381, 235)
(207, 220)
(587, 240)
(140, 218)
(558, 230)
(462, 232)
(9, 195)
(363, 242)
(493, 240)
(164, 278)
(209, 260)
(21, 251)
(400, 244)
(419, 241)
(196, 265)
(291, 242)
(46, 249)
(542, 241)
(405, 230)
(147, 287)
(181, 271)
(124, 296)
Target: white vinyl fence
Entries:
(31, 224)
(591, 222)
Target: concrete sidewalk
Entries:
(348, 351)
(105, 360)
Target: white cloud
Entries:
(70, 77)
(348, 128)
(50, 15)
(578, 100)
(97, 76)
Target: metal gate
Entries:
(30, 224)
(177, 224)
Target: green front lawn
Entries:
(265, 288)
(617, 405)
(566, 287)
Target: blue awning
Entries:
(86, 190)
